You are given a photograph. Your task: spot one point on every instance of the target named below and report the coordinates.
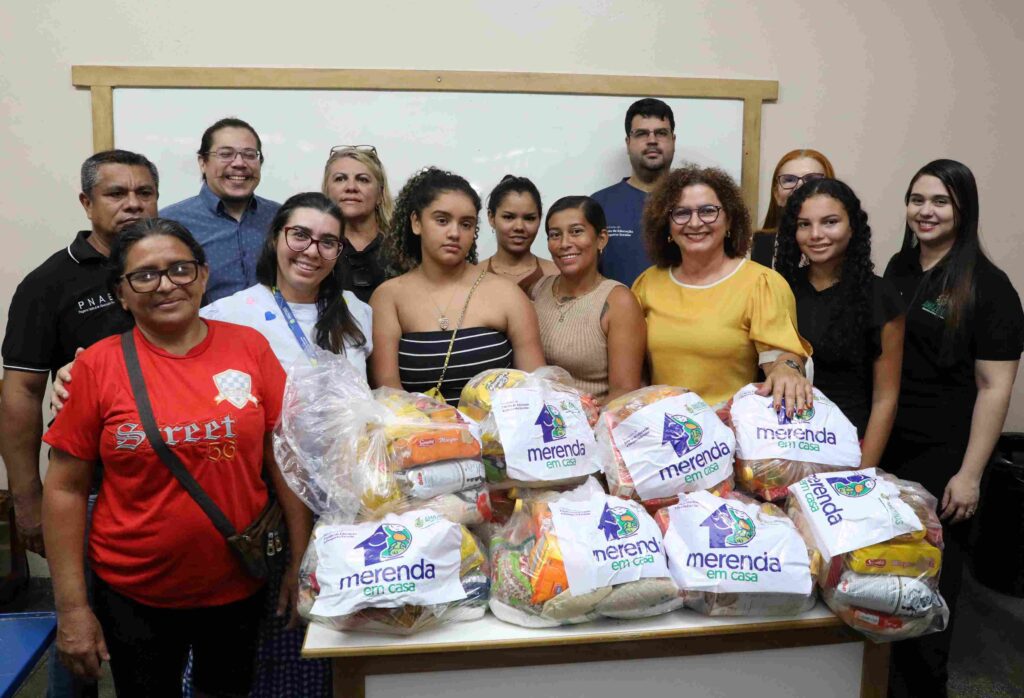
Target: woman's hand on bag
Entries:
(80, 643)
(786, 383)
(960, 500)
(59, 395)
(288, 597)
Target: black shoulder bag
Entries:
(253, 546)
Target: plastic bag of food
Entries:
(572, 557)
(881, 543)
(660, 441)
(536, 428)
(732, 556)
(773, 451)
(400, 574)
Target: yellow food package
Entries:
(472, 557)
(476, 396)
(913, 559)
(547, 569)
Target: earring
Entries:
(728, 233)
(669, 238)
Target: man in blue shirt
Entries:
(651, 145)
(226, 217)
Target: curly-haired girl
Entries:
(852, 318)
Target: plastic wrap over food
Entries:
(571, 557)
(325, 413)
(773, 451)
(657, 442)
(732, 556)
(536, 428)
(400, 574)
(881, 543)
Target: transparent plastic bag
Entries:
(400, 575)
(657, 442)
(881, 545)
(536, 428)
(608, 549)
(773, 451)
(733, 556)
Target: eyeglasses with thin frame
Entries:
(148, 280)
(368, 149)
(229, 154)
(299, 238)
(707, 214)
(659, 133)
(788, 181)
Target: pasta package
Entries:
(572, 557)
(421, 430)
(881, 543)
(733, 556)
(400, 574)
(535, 428)
(774, 450)
(658, 442)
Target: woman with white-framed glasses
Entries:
(354, 179)
(714, 318)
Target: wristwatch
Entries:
(795, 366)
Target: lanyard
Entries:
(293, 325)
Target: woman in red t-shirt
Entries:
(166, 581)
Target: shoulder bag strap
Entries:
(451, 342)
(167, 456)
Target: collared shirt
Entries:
(61, 305)
(624, 257)
(232, 247)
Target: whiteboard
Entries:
(567, 144)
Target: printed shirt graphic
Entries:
(607, 541)
(820, 434)
(727, 546)
(412, 558)
(150, 541)
(545, 435)
(675, 445)
(852, 509)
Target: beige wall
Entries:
(881, 87)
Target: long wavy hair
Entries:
(404, 247)
(335, 327)
(385, 208)
(771, 219)
(850, 315)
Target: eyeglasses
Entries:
(229, 154)
(148, 280)
(708, 214)
(299, 238)
(792, 181)
(368, 149)
(643, 133)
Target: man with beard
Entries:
(226, 217)
(651, 145)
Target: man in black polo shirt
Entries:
(61, 305)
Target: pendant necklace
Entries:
(564, 305)
(442, 315)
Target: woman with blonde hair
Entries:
(354, 178)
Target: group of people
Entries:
(649, 283)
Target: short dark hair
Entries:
(510, 184)
(147, 227)
(661, 201)
(206, 142)
(652, 109)
(592, 211)
(91, 167)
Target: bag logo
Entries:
(388, 542)
(618, 523)
(804, 415)
(853, 485)
(729, 528)
(682, 433)
(235, 387)
(552, 423)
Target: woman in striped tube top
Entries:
(442, 293)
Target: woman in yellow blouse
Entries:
(714, 317)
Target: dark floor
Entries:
(987, 657)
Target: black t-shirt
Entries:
(366, 268)
(61, 305)
(846, 380)
(937, 397)
(762, 248)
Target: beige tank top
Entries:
(571, 334)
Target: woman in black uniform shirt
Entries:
(852, 318)
(964, 337)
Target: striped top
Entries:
(421, 358)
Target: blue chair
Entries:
(24, 638)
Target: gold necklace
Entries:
(442, 315)
(525, 271)
(567, 302)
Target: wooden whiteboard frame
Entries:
(103, 80)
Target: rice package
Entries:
(882, 546)
(773, 451)
(660, 441)
(732, 556)
(400, 574)
(575, 556)
(535, 428)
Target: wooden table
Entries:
(813, 653)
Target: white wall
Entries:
(881, 87)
